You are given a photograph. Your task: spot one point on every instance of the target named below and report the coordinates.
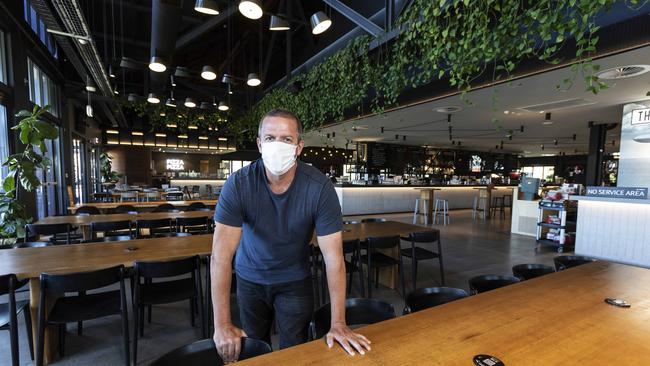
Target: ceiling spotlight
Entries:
(90, 85)
(207, 72)
(320, 22)
(229, 90)
(115, 91)
(171, 102)
(223, 106)
(110, 71)
(547, 119)
(278, 24)
(182, 72)
(190, 103)
(82, 41)
(253, 79)
(153, 99)
(205, 105)
(251, 9)
(208, 7)
(157, 64)
(132, 97)
(173, 82)
(227, 79)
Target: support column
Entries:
(594, 170)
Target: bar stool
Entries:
(508, 198)
(480, 203)
(498, 205)
(425, 211)
(442, 205)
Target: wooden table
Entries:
(151, 204)
(559, 319)
(431, 196)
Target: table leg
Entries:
(51, 337)
(488, 204)
(430, 207)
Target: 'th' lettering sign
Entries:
(640, 116)
(618, 192)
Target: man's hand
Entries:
(227, 339)
(348, 339)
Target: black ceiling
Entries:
(122, 28)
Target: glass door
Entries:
(79, 169)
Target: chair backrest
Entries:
(125, 209)
(351, 246)
(161, 269)
(486, 283)
(152, 224)
(81, 281)
(373, 219)
(48, 229)
(428, 297)
(174, 196)
(164, 207)
(383, 242)
(425, 237)
(567, 261)
(350, 222)
(7, 284)
(196, 205)
(204, 353)
(33, 244)
(183, 222)
(358, 311)
(90, 210)
(104, 226)
(531, 270)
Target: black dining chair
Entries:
(155, 227)
(102, 197)
(376, 260)
(208, 285)
(204, 353)
(373, 219)
(418, 253)
(81, 307)
(126, 209)
(352, 260)
(196, 206)
(484, 283)
(174, 196)
(58, 233)
(358, 311)
(529, 271)
(9, 317)
(193, 225)
(148, 293)
(88, 210)
(569, 261)
(165, 207)
(111, 228)
(428, 297)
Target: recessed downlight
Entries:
(623, 72)
(448, 109)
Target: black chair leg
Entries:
(401, 275)
(141, 322)
(361, 281)
(350, 282)
(125, 336)
(192, 312)
(442, 268)
(13, 335)
(137, 318)
(28, 327)
(415, 273)
(40, 340)
(376, 277)
(62, 330)
(369, 280)
(149, 313)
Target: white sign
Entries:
(175, 164)
(640, 116)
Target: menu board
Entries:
(377, 155)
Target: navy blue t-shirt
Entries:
(277, 228)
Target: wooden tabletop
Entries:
(110, 205)
(362, 231)
(82, 220)
(559, 319)
(427, 188)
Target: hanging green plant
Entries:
(161, 118)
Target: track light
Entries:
(320, 22)
(253, 79)
(153, 98)
(207, 73)
(182, 72)
(223, 106)
(227, 79)
(115, 90)
(229, 89)
(173, 82)
(190, 103)
(171, 102)
(251, 9)
(157, 64)
(208, 7)
(547, 119)
(110, 71)
(278, 24)
(90, 85)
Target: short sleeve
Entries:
(328, 215)
(229, 207)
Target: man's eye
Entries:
(269, 139)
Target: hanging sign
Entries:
(640, 116)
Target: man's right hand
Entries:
(227, 339)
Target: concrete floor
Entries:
(470, 248)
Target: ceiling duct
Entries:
(557, 105)
(165, 19)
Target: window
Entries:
(3, 59)
(78, 162)
(49, 194)
(42, 91)
(541, 172)
(4, 141)
(38, 26)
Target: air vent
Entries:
(560, 104)
(623, 72)
(449, 109)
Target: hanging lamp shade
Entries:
(251, 9)
(182, 72)
(208, 73)
(171, 102)
(205, 105)
(253, 79)
(157, 64)
(278, 24)
(208, 7)
(320, 22)
(223, 106)
(190, 102)
(227, 79)
(153, 98)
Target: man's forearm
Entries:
(221, 274)
(336, 283)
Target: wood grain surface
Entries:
(111, 205)
(82, 220)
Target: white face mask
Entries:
(278, 157)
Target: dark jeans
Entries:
(290, 304)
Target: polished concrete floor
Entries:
(470, 248)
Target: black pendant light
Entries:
(208, 7)
(251, 9)
(320, 22)
(278, 24)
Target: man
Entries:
(267, 213)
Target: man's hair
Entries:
(279, 112)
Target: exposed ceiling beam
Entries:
(355, 17)
(147, 9)
(200, 30)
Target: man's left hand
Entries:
(349, 340)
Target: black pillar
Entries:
(594, 170)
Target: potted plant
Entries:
(106, 166)
(33, 132)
